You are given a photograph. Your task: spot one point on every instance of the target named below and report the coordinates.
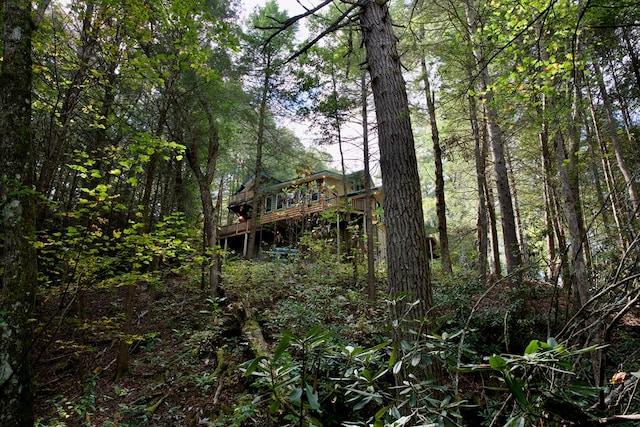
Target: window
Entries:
(268, 204)
(279, 201)
(292, 199)
(314, 192)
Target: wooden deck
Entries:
(299, 210)
(234, 229)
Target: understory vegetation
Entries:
(296, 343)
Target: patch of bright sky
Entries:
(303, 130)
(292, 6)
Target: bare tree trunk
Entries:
(152, 166)
(509, 234)
(623, 101)
(516, 206)
(170, 190)
(368, 214)
(205, 179)
(17, 180)
(216, 273)
(407, 248)
(617, 207)
(615, 139)
(635, 61)
(441, 206)
(344, 206)
(479, 154)
(549, 194)
(493, 222)
(568, 179)
(122, 359)
(256, 201)
(596, 173)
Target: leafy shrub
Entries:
(542, 385)
(311, 380)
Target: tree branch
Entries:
(283, 25)
(338, 23)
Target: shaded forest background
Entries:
(119, 306)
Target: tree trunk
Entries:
(509, 234)
(615, 139)
(549, 201)
(17, 180)
(597, 180)
(256, 202)
(553, 207)
(122, 359)
(618, 209)
(507, 216)
(152, 166)
(493, 222)
(524, 250)
(344, 206)
(479, 154)
(407, 249)
(441, 206)
(622, 98)
(568, 180)
(368, 215)
(216, 272)
(635, 61)
(205, 179)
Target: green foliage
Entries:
(320, 250)
(297, 296)
(311, 380)
(243, 413)
(542, 383)
(294, 386)
(72, 412)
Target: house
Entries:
(322, 203)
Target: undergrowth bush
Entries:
(312, 381)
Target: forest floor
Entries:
(173, 357)
(184, 357)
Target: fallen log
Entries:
(251, 329)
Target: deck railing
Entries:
(294, 211)
(231, 230)
(241, 197)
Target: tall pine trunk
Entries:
(441, 205)
(491, 210)
(618, 208)
(615, 140)
(407, 249)
(256, 201)
(208, 209)
(496, 140)
(522, 238)
(368, 214)
(482, 220)
(566, 161)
